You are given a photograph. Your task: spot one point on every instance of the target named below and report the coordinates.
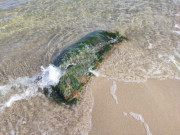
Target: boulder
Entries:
(78, 61)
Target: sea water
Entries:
(34, 33)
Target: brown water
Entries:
(34, 33)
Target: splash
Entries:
(28, 87)
(50, 76)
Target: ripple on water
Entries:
(35, 33)
(41, 116)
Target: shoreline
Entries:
(157, 101)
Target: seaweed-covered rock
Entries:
(77, 62)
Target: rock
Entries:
(77, 60)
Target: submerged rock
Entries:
(77, 61)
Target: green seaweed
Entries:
(77, 60)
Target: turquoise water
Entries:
(34, 33)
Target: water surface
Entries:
(34, 33)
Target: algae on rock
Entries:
(77, 60)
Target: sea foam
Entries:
(27, 87)
(50, 76)
(177, 26)
(177, 32)
(178, 14)
(140, 118)
(172, 59)
(150, 45)
(113, 89)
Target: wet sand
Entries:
(157, 101)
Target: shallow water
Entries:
(34, 33)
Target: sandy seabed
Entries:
(157, 102)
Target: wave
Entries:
(27, 87)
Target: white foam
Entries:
(172, 59)
(178, 14)
(177, 77)
(27, 87)
(5, 89)
(150, 45)
(94, 72)
(29, 92)
(137, 116)
(50, 76)
(160, 55)
(140, 118)
(177, 32)
(177, 54)
(177, 26)
(113, 89)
